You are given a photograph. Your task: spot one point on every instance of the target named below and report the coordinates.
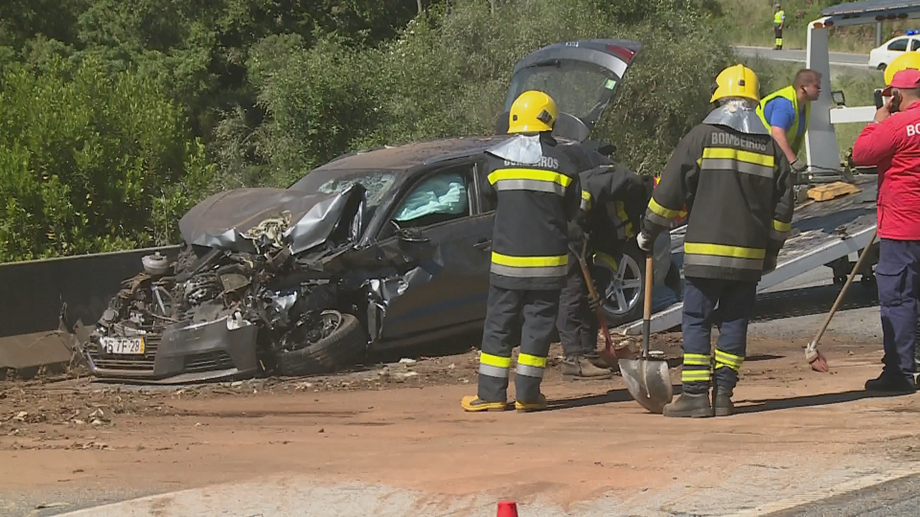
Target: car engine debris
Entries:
(274, 301)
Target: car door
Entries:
(438, 219)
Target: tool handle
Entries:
(647, 308)
(827, 320)
(583, 262)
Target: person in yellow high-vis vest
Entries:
(779, 21)
(787, 112)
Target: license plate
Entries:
(123, 345)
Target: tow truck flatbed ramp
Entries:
(822, 231)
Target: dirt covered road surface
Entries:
(392, 440)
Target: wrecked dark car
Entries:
(379, 249)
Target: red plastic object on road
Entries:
(507, 509)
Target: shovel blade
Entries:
(648, 381)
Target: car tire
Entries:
(339, 348)
(632, 287)
(881, 67)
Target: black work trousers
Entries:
(512, 313)
(577, 323)
(735, 308)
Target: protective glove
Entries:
(769, 264)
(594, 303)
(645, 241)
(798, 166)
(577, 233)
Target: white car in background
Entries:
(885, 53)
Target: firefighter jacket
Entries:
(738, 190)
(534, 203)
(613, 200)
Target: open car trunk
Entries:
(581, 77)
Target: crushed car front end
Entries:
(139, 338)
(249, 291)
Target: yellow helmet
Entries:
(737, 81)
(902, 62)
(532, 112)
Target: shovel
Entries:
(609, 353)
(648, 380)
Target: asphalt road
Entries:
(896, 498)
(798, 56)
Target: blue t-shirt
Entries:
(779, 112)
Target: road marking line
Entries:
(821, 494)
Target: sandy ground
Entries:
(70, 444)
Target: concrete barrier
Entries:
(42, 300)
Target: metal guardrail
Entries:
(43, 300)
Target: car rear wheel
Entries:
(336, 344)
(621, 286)
(882, 67)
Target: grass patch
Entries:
(857, 85)
(750, 22)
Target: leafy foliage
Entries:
(118, 116)
(89, 161)
(448, 72)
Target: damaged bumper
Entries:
(219, 350)
(237, 297)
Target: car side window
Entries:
(898, 45)
(914, 44)
(443, 196)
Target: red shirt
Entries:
(894, 146)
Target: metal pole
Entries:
(878, 33)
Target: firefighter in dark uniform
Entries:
(537, 192)
(737, 184)
(613, 202)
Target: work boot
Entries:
(891, 383)
(594, 358)
(722, 404)
(579, 367)
(473, 403)
(526, 407)
(694, 405)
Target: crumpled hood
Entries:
(222, 220)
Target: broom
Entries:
(814, 356)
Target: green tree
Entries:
(89, 161)
(448, 72)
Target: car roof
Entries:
(408, 156)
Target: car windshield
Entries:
(377, 182)
(578, 88)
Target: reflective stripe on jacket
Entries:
(738, 188)
(613, 199)
(792, 135)
(682, 215)
(530, 233)
(778, 17)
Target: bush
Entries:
(448, 72)
(90, 161)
